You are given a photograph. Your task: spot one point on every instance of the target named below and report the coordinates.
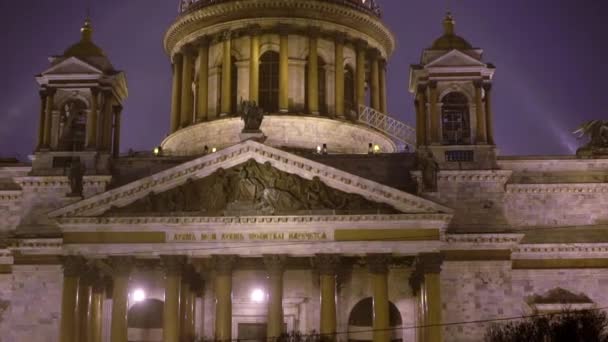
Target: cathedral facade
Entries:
(285, 199)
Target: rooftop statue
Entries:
(253, 116)
(597, 131)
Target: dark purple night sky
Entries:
(551, 58)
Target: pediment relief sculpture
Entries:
(250, 189)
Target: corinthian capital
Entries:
(275, 263)
(172, 264)
(327, 264)
(223, 264)
(73, 265)
(378, 263)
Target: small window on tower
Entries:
(455, 123)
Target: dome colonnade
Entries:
(281, 54)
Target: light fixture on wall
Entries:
(258, 296)
(138, 295)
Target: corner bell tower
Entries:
(81, 97)
(453, 86)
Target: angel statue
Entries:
(253, 115)
(597, 131)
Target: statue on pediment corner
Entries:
(252, 115)
(429, 169)
(597, 131)
(75, 175)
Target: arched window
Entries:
(361, 320)
(234, 80)
(269, 82)
(72, 126)
(322, 86)
(146, 315)
(349, 91)
(455, 121)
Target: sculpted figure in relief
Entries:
(252, 187)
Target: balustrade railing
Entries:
(394, 128)
(370, 6)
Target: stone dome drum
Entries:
(310, 65)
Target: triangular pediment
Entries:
(72, 65)
(250, 189)
(250, 177)
(455, 58)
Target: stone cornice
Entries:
(10, 195)
(306, 9)
(59, 181)
(248, 220)
(499, 176)
(239, 154)
(558, 188)
(561, 248)
(35, 244)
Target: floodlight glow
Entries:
(139, 295)
(257, 296)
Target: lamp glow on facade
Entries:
(139, 295)
(257, 296)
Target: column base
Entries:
(283, 111)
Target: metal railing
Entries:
(394, 128)
(370, 6)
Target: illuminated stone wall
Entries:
(35, 304)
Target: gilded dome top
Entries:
(85, 47)
(449, 40)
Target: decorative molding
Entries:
(561, 248)
(60, 181)
(238, 11)
(558, 188)
(498, 176)
(510, 239)
(238, 154)
(248, 220)
(560, 263)
(36, 244)
(10, 195)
